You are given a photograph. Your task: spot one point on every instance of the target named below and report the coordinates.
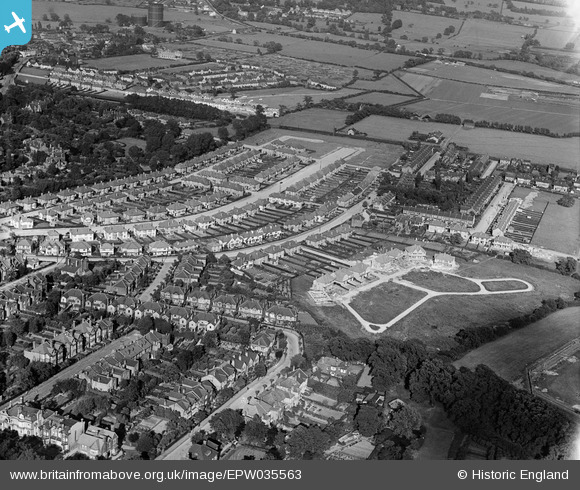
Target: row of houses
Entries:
(194, 310)
(70, 343)
(124, 363)
(315, 179)
(70, 435)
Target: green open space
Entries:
(291, 97)
(441, 282)
(510, 355)
(438, 320)
(562, 380)
(496, 143)
(384, 302)
(504, 285)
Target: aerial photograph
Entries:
(290, 230)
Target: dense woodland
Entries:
(480, 403)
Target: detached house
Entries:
(280, 315)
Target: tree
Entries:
(223, 133)
(397, 23)
(566, 266)
(405, 420)
(367, 420)
(298, 361)
(566, 201)
(255, 430)
(307, 101)
(307, 442)
(227, 424)
(521, 256)
(260, 370)
(146, 443)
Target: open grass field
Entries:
(331, 316)
(529, 67)
(470, 101)
(557, 37)
(438, 320)
(440, 282)
(379, 98)
(480, 35)
(132, 62)
(483, 76)
(322, 119)
(98, 14)
(388, 83)
(439, 435)
(559, 228)
(292, 96)
(509, 355)
(384, 302)
(415, 25)
(316, 51)
(562, 381)
(504, 285)
(501, 144)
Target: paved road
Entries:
(159, 278)
(345, 300)
(494, 207)
(341, 153)
(44, 389)
(180, 450)
(9, 79)
(24, 279)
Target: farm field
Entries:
(529, 67)
(317, 119)
(384, 302)
(379, 98)
(496, 143)
(557, 37)
(388, 83)
(479, 35)
(563, 385)
(438, 320)
(479, 103)
(132, 62)
(509, 355)
(292, 96)
(438, 281)
(319, 51)
(484, 76)
(415, 25)
(98, 14)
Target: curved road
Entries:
(180, 449)
(345, 301)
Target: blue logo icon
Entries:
(15, 23)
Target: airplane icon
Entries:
(17, 23)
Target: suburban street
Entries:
(44, 389)
(179, 450)
(159, 278)
(301, 174)
(24, 279)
